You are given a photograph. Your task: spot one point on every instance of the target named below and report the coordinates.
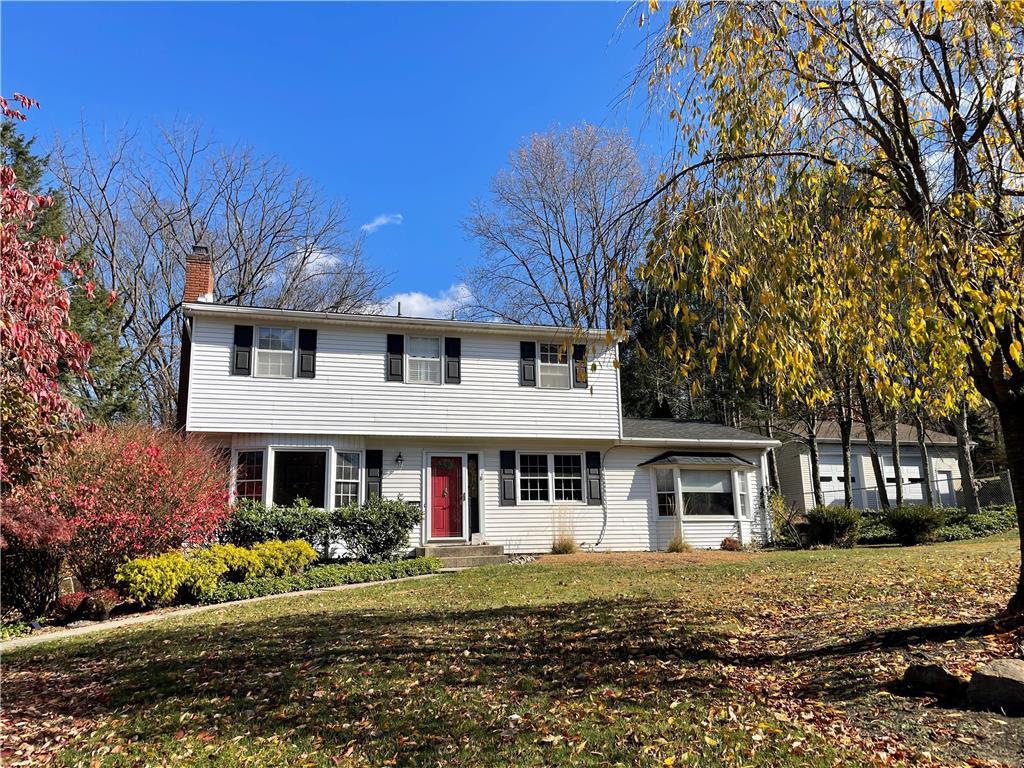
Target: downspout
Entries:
(604, 497)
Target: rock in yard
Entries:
(999, 686)
(933, 679)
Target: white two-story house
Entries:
(501, 433)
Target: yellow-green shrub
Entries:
(154, 580)
(202, 575)
(281, 558)
(239, 563)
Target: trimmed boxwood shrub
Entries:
(252, 523)
(833, 526)
(915, 523)
(377, 530)
(322, 576)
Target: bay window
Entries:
(706, 492)
(665, 484)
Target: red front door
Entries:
(445, 497)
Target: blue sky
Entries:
(404, 111)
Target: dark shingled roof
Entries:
(682, 459)
(677, 429)
(828, 431)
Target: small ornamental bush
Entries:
(133, 491)
(251, 523)
(678, 544)
(97, 605)
(154, 580)
(283, 558)
(201, 577)
(377, 530)
(915, 523)
(564, 544)
(731, 544)
(66, 606)
(832, 526)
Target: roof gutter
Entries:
(390, 321)
(696, 442)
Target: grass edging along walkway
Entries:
(145, 618)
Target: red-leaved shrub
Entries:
(32, 545)
(66, 606)
(132, 491)
(730, 544)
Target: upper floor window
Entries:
(275, 352)
(424, 360)
(554, 367)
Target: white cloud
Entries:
(382, 220)
(417, 304)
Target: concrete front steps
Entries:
(465, 555)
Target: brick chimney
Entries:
(198, 275)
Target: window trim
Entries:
(551, 478)
(360, 474)
(570, 372)
(233, 479)
(440, 361)
(256, 351)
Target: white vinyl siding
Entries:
(350, 395)
(424, 360)
(275, 353)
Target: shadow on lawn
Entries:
(413, 684)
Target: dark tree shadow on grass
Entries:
(417, 683)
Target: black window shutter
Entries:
(452, 360)
(396, 357)
(508, 479)
(307, 353)
(241, 352)
(374, 473)
(593, 477)
(579, 366)
(527, 364)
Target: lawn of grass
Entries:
(771, 659)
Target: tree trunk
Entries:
(812, 444)
(876, 462)
(897, 468)
(769, 432)
(926, 462)
(1011, 419)
(965, 462)
(845, 437)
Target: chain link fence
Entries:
(947, 491)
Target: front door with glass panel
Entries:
(446, 497)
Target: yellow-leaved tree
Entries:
(866, 163)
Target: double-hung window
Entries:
(275, 353)
(249, 475)
(568, 477)
(533, 477)
(554, 367)
(346, 479)
(550, 477)
(665, 482)
(424, 354)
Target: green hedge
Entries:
(321, 576)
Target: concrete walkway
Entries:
(44, 636)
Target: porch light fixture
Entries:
(399, 461)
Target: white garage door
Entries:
(910, 466)
(833, 478)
